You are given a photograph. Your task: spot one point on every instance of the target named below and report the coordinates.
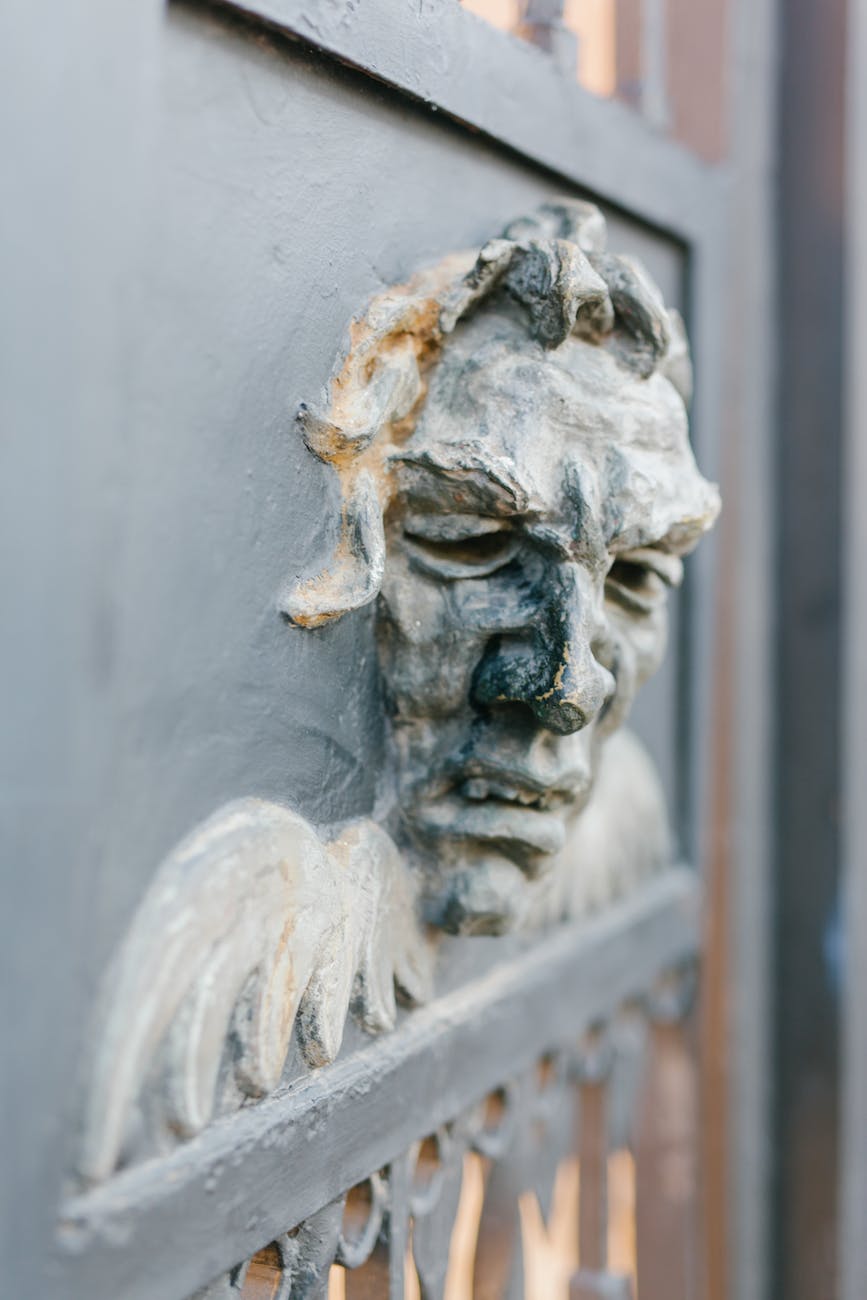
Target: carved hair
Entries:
(555, 264)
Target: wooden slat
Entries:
(593, 1154)
(666, 1200)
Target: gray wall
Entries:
(195, 225)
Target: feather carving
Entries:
(252, 925)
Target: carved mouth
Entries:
(480, 783)
(524, 833)
(520, 808)
(479, 789)
(522, 817)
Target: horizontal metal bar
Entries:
(446, 57)
(166, 1227)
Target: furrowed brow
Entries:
(460, 489)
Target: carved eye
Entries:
(473, 555)
(638, 580)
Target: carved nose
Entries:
(578, 690)
(551, 669)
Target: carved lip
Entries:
(519, 806)
(479, 789)
(478, 782)
(524, 833)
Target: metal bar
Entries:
(808, 703)
(543, 25)
(398, 1225)
(629, 22)
(654, 99)
(697, 633)
(447, 58)
(853, 1239)
(736, 1249)
(259, 1172)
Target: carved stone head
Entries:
(510, 435)
(512, 440)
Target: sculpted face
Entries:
(518, 485)
(544, 499)
(510, 440)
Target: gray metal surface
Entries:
(853, 1240)
(170, 296)
(448, 58)
(746, 668)
(809, 707)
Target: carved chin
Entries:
(517, 868)
(486, 895)
(499, 852)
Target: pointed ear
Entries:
(354, 576)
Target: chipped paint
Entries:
(557, 684)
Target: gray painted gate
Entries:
(244, 187)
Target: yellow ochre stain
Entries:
(557, 684)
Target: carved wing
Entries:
(252, 925)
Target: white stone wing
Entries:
(251, 926)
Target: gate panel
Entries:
(288, 172)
